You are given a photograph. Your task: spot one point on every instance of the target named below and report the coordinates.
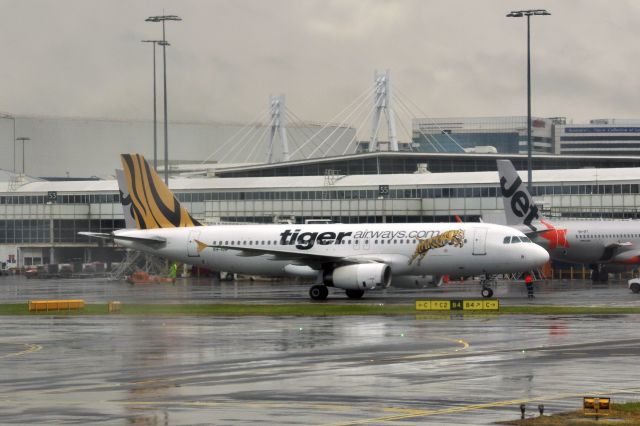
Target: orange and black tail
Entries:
(151, 203)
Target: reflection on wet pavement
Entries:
(358, 370)
(339, 370)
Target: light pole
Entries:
(23, 139)
(163, 19)
(155, 121)
(528, 14)
(10, 117)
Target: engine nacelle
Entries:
(366, 276)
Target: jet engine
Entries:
(366, 276)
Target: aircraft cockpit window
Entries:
(515, 239)
(507, 240)
(525, 239)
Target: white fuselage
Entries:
(587, 241)
(409, 249)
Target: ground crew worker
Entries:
(173, 272)
(528, 281)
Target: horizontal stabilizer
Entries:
(151, 240)
(101, 235)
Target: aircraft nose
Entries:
(539, 256)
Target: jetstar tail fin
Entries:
(150, 202)
(519, 207)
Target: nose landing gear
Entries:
(487, 283)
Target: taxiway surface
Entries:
(186, 370)
(206, 290)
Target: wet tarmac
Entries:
(207, 290)
(190, 370)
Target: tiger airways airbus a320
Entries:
(352, 257)
(598, 243)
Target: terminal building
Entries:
(40, 220)
(599, 137)
(506, 135)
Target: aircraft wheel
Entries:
(354, 294)
(486, 292)
(635, 287)
(595, 275)
(318, 292)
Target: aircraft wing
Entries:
(282, 254)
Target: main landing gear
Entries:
(487, 282)
(599, 273)
(319, 292)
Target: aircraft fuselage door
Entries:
(192, 246)
(479, 241)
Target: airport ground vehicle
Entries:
(634, 285)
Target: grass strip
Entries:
(627, 414)
(312, 309)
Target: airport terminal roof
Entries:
(347, 181)
(372, 163)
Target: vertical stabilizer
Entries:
(125, 200)
(153, 205)
(519, 207)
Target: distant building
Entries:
(599, 137)
(508, 135)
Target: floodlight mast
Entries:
(155, 120)
(519, 14)
(164, 44)
(23, 139)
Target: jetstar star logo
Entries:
(556, 237)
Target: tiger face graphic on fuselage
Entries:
(454, 237)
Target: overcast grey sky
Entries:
(83, 58)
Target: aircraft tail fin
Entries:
(125, 199)
(150, 203)
(519, 207)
